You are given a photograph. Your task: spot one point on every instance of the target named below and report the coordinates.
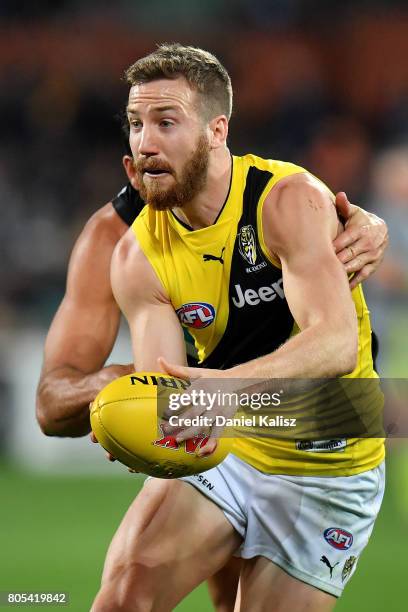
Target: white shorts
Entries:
(314, 528)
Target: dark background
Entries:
(323, 84)
(320, 83)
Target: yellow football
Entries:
(125, 418)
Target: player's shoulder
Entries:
(276, 167)
(277, 177)
(297, 202)
(98, 238)
(128, 255)
(299, 182)
(104, 224)
(298, 191)
(131, 270)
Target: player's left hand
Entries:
(210, 385)
(361, 246)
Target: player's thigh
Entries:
(172, 525)
(223, 585)
(265, 587)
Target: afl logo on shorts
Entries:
(196, 314)
(338, 538)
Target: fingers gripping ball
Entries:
(125, 418)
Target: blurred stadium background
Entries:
(324, 84)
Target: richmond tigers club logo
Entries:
(348, 567)
(247, 244)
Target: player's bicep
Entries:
(81, 335)
(300, 223)
(156, 332)
(155, 329)
(317, 291)
(85, 326)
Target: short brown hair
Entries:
(201, 69)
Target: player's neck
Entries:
(203, 210)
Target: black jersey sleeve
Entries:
(128, 204)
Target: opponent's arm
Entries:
(82, 333)
(300, 224)
(154, 327)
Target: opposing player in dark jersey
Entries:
(84, 329)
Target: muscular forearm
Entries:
(64, 395)
(313, 353)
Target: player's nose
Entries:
(148, 144)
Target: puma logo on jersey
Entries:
(253, 297)
(209, 257)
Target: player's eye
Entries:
(135, 124)
(166, 123)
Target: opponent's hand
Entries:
(95, 441)
(208, 381)
(361, 246)
(108, 455)
(115, 370)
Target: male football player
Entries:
(251, 241)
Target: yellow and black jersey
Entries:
(228, 291)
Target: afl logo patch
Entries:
(338, 538)
(196, 314)
(247, 244)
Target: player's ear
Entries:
(218, 131)
(129, 166)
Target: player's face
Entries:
(169, 142)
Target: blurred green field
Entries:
(55, 531)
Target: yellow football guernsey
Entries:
(228, 291)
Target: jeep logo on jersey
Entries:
(253, 297)
(247, 244)
(338, 538)
(196, 314)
